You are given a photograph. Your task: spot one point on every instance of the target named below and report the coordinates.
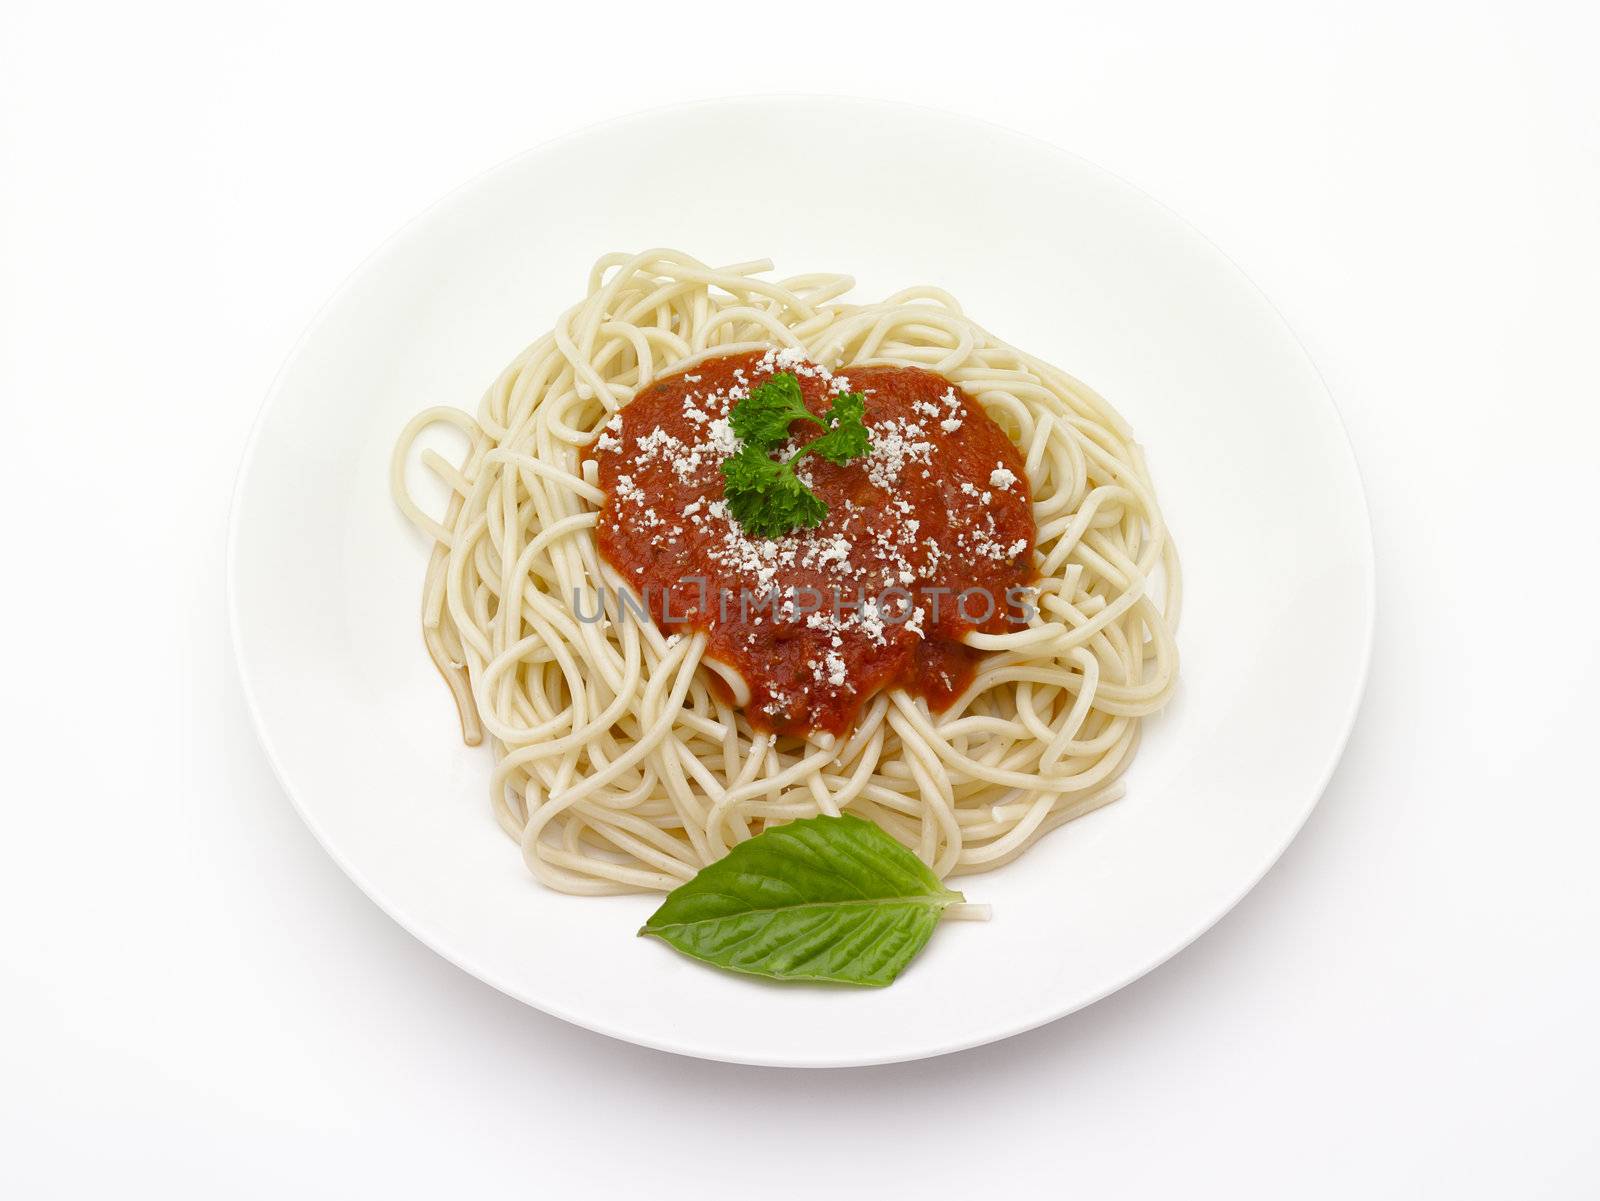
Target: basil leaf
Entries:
(824, 898)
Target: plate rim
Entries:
(419, 929)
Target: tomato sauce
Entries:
(928, 537)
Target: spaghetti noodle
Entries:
(623, 760)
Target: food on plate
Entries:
(727, 556)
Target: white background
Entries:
(195, 1002)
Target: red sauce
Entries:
(940, 507)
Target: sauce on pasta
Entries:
(928, 537)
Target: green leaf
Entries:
(762, 419)
(824, 898)
(846, 406)
(766, 497)
(750, 470)
(847, 435)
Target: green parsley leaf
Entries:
(763, 418)
(847, 435)
(765, 495)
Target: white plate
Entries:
(1253, 468)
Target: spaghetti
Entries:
(624, 761)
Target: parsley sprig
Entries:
(764, 494)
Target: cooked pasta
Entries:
(627, 754)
